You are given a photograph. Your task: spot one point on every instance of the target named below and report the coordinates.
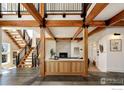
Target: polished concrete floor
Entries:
(18, 76)
(30, 76)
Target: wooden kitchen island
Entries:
(64, 67)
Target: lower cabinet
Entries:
(63, 68)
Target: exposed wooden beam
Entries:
(97, 23)
(32, 10)
(77, 33)
(63, 23)
(42, 9)
(63, 39)
(98, 29)
(18, 23)
(50, 33)
(120, 23)
(72, 23)
(95, 11)
(115, 19)
(53, 23)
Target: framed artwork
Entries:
(101, 48)
(5, 48)
(4, 58)
(115, 45)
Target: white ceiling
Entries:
(66, 32)
(89, 30)
(111, 10)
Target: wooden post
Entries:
(42, 9)
(42, 53)
(85, 51)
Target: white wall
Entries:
(63, 46)
(13, 47)
(50, 44)
(0, 49)
(36, 34)
(66, 32)
(77, 44)
(110, 61)
(102, 58)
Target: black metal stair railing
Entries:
(27, 47)
(23, 52)
(26, 36)
(35, 55)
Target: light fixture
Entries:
(116, 34)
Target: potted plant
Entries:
(52, 53)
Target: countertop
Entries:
(63, 59)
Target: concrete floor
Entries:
(30, 76)
(18, 76)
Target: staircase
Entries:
(26, 61)
(16, 37)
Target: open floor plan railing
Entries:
(14, 8)
(63, 7)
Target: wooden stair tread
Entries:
(16, 38)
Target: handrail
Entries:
(26, 36)
(35, 55)
(23, 52)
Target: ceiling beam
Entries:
(95, 11)
(79, 30)
(54, 23)
(120, 23)
(19, 23)
(32, 10)
(115, 19)
(50, 33)
(72, 23)
(42, 9)
(64, 38)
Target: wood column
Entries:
(85, 51)
(42, 9)
(42, 52)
